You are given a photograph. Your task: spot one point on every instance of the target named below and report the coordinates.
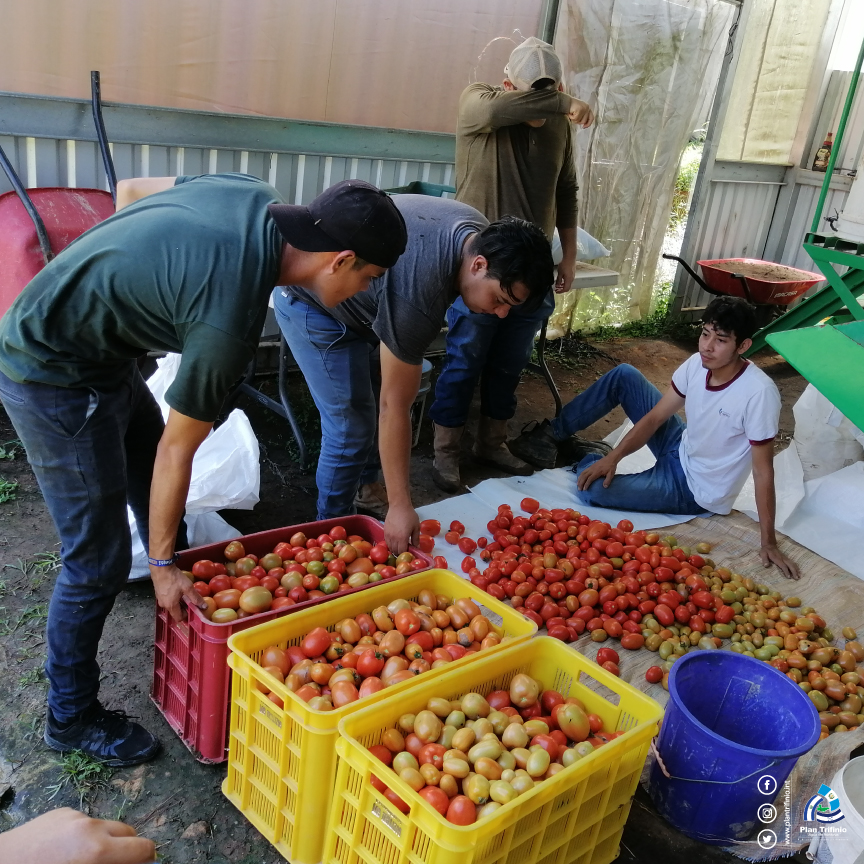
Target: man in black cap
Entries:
(186, 265)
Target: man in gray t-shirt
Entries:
(452, 251)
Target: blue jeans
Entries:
(495, 350)
(662, 488)
(337, 365)
(92, 451)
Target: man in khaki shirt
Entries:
(514, 157)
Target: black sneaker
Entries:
(105, 735)
(536, 445)
(575, 449)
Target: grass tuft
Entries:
(83, 774)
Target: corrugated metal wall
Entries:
(298, 176)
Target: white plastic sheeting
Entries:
(646, 67)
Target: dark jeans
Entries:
(337, 365)
(662, 488)
(485, 347)
(92, 451)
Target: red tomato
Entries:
(370, 663)
(432, 527)
(467, 564)
(338, 533)
(432, 754)
(426, 544)
(219, 583)
(204, 570)
(394, 799)
(440, 562)
(605, 654)
(315, 642)
(457, 526)
(467, 545)
(436, 797)
(452, 537)
(379, 553)
(282, 602)
(654, 675)
(625, 525)
(530, 505)
(202, 588)
(461, 811)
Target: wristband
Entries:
(163, 562)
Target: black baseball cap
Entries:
(351, 214)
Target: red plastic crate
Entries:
(191, 678)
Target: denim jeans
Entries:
(337, 365)
(92, 451)
(495, 350)
(662, 488)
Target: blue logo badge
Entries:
(824, 807)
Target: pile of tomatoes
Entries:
(363, 655)
(571, 574)
(301, 569)
(471, 756)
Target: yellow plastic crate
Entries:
(282, 763)
(576, 816)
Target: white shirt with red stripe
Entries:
(723, 422)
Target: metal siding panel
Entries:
(10, 148)
(88, 166)
(314, 170)
(194, 161)
(159, 163)
(285, 176)
(257, 164)
(47, 162)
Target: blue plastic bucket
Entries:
(733, 729)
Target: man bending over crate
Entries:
(733, 412)
(452, 252)
(187, 266)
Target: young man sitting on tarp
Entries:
(733, 413)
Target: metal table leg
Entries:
(541, 367)
(282, 407)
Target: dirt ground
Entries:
(174, 799)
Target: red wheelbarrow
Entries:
(36, 225)
(769, 287)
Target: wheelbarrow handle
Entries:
(701, 282)
(27, 201)
(96, 105)
(743, 280)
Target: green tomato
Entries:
(316, 568)
(329, 585)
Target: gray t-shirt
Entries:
(405, 307)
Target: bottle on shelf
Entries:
(823, 154)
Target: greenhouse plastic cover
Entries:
(649, 69)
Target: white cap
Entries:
(532, 61)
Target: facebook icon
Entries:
(767, 785)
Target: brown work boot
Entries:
(490, 448)
(371, 499)
(445, 468)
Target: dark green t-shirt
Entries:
(187, 270)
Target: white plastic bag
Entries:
(225, 474)
(826, 440)
(587, 248)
